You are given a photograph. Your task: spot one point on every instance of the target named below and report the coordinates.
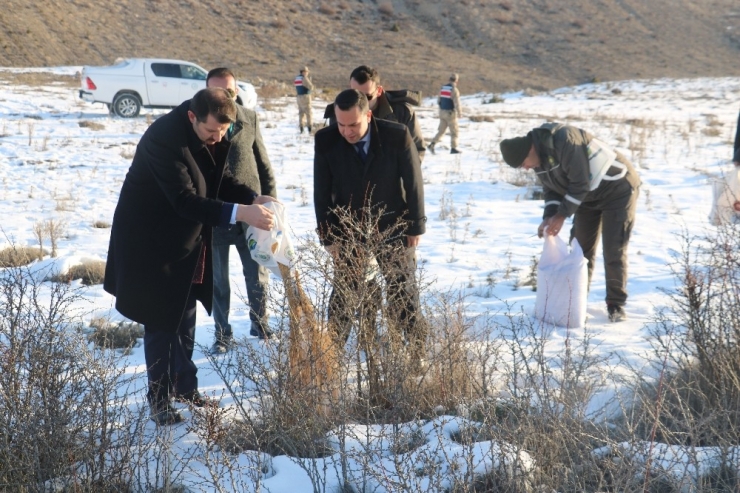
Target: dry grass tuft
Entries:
(17, 256)
(91, 125)
(100, 224)
(90, 272)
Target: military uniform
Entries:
(449, 111)
(303, 88)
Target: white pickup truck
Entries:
(135, 83)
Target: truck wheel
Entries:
(126, 105)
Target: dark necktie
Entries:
(361, 151)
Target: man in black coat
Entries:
(362, 165)
(395, 106)
(159, 258)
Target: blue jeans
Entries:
(256, 278)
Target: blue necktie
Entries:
(361, 151)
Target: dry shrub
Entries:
(505, 4)
(62, 402)
(16, 256)
(482, 118)
(91, 125)
(100, 224)
(696, 398)
(711, 132)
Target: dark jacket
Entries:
(172, 196)
(736, 154)
(395, 106)
(391, 178)
(247, 160)
(565, 173)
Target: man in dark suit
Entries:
(368, 169)
(396, 106)
(160, 253)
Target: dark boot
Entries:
(196, 399)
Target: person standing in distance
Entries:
(449, 111)
(248, 162)
(303, 89)
(160, 253)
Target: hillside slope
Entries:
(494, 45)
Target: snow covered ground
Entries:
(63, 159)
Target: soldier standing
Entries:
(303, 88)
(449, 111)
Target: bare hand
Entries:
(263, 199)
(736, 206)
(552, 225)
(736, 163)
(412, 241)
(255, 215)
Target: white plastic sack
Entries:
(725, 192)
(270, 248)
(562, 284)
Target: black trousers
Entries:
(352, 295)
(169, 358)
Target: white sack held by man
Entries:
(274, 247)
(562, 284)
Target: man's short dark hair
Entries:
(213, 101)
(220, 73)
(349, 98)
(363, 73)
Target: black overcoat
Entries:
(172, 197)
(390, 178)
